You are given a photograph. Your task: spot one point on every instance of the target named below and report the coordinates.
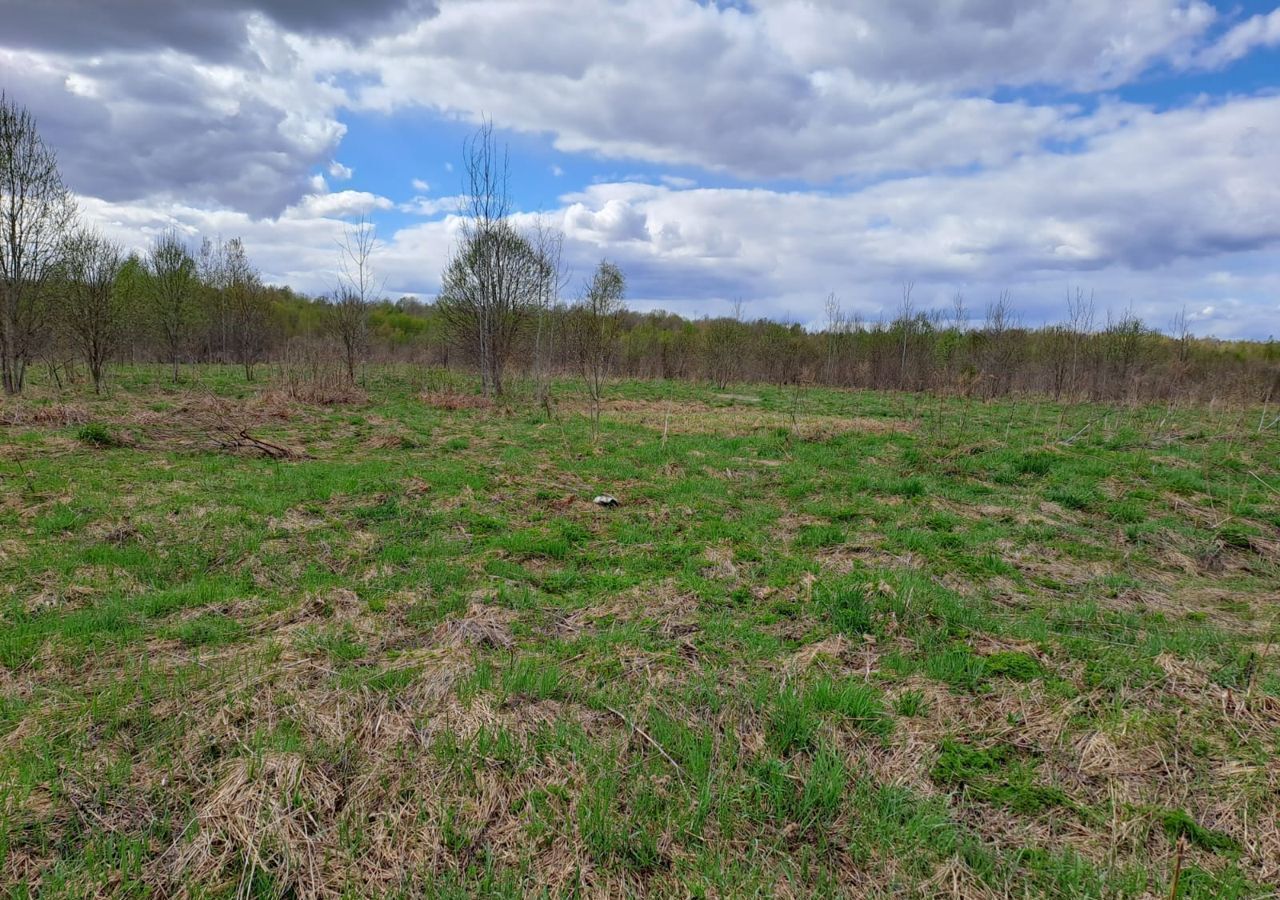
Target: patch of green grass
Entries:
(816, 537)
(1178, 823)
(97, 435)
(996, 774)
(211, 629)
(1012, 664)
(911, 704)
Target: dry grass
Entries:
(693, 418)
(455, 400)
(42, 415)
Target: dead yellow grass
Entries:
(691, 417)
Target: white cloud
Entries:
(813, 90)
(677, 181)
(432, 206)
(341, 204)
(1199, 229)
(246, 133)
(1261, 30)
(880, 118)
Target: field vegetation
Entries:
(308, 638)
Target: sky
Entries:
(767, 152)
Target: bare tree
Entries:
(496, 275)
(548, 242)
(172, 283)
(1124, 342)
(1181, 331)
(1080, 315)
(837, 334)
(907, 322)
(596, 325)
(212, 274)
(94, 306)
(247, 306)
(348, 312)
(725, 343)
(1001, 347)
(36, 213)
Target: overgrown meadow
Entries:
(828, 644)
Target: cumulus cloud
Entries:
(172, 127)
(341, 205)
(811, 90)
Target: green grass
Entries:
(829, 643)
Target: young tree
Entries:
(496, 275)
(724, 343)
(133, 289)
(247, 308)
(348, 312)
(596, 325)
(94, 306)
(36, 213)
(1000, 345)
(548, 242)
(172, 286)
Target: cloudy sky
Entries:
(771, 151)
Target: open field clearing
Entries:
(828, 644)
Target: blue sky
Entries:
(771, 152)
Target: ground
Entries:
(828, 644)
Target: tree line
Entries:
(74, 302)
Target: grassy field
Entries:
(828, 644)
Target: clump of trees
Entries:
(69, 297)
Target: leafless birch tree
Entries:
(348, 311)
(548, 242)
(36, 213)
